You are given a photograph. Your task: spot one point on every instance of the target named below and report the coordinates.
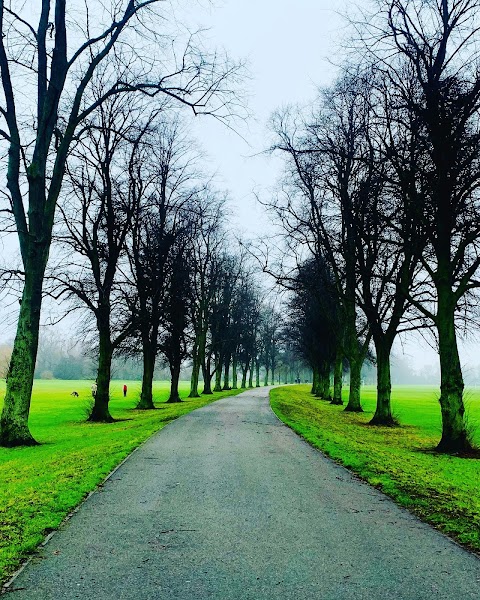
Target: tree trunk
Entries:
(250, 376)
(354, 403)
(207, 378)
(218, 375)
(257, 371)
(244, 376)
(146, 396)
(454, 433)
(338, 378)
(195, 375)
(14, 429)
(234, 374)
(100, 412)
(226, 370)
(324, 381)
(315, 382)
(266, 376)
(175, 377)
(383, 412)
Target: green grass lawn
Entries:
(39, 486)
(443, 490)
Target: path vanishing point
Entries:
(228, 503)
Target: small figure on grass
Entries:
(125, 390)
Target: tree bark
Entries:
(100, 411)
(324, 381)
(454, 434)
(146, 396)
(207, 377)
(266, 376)
(226, 370)
(218, 375)
(175, 377)
(250, 376)
(338, 378)
(244, 376)
(354, 402)
(14, 429)
(257, 370)
(383, 411)
(195, 377)
(234, 374)
(315, 382)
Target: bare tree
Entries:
(437, 42)
(98, 211)
(38, 137)
(165, 182)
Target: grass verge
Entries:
(39, 486)
(443, 490)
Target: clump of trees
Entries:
(381, 185)
(59, 71)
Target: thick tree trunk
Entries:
(226, 372)
(146, 396)
(100, 412)
(207, 378)
(257, 372)
(250, 376)
(315, 381)
(14, 429)
(324, 382)
(175, 377)
(338, 378)
(244, 376)
(454, 433)
(354, 402)
(383, 412)
(266, 375)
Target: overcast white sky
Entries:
(287, 46)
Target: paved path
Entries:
(227, 503)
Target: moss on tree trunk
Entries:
(146, 395)
(175, 377)
(454, 434)
(194, 379)
(100, 412)
(338, 378)
(354, 402)
(14, 429)
(383, 412)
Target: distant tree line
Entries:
(380, 203)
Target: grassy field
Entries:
(443, 490)
(39, 486)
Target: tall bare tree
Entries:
(437, 42)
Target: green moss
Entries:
(443, 490)
(40, 485)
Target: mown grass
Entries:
(401, 461)
(39, 486)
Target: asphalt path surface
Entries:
(228, 503)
